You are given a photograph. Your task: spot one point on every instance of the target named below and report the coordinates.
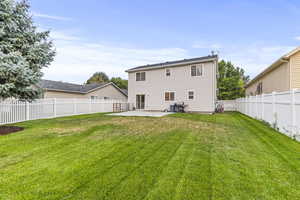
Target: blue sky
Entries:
(111, 36)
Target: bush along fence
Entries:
(12, 111)
(279, 109)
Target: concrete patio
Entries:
(141, 114)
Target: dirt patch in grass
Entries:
(141, 125)
(66, 131)
(5, 130)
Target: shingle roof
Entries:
(125, 91)
(76, 88)
(68, 87)
(165, 64)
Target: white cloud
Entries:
(56, 35)
(297, 38)
(254, 58)
(77, 60)
(53, 17)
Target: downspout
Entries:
(216, 73)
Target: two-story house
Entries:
(192, 81)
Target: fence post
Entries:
(246, 105)
(75, 106)
(54, 107)
(274, 107)
(27, 110)
(256, 106)
(262, 106)
(90, 106)
(293, 107)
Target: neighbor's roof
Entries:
(74, 88)
(125, 91)
(174, 63)
(273, 66)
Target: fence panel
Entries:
(12, 111)
(281, 110)
(228, 105)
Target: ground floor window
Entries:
(191, 95)
(169, 96)
(94, 97)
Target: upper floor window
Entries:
(197, 70)
(169, 96)
(140, 76)
(191, 95)
(168, 72)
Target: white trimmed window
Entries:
(190, 95)
(197, 70)
(140, 76)
(169, 96)
(168, 72)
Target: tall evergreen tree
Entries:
(23, 51)
(231, 81)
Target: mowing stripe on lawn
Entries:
(71, 143)
(275, 176)
(271, 142)
(196, 179)
(144, 176)
(122, 169)
(132, 147)
(166, 185)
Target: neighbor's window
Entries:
(191, 95)
(106, 98)
(168, 72)
(140, 76)
(94, 97)
(197, 70)
(259, 88)
(169, 96)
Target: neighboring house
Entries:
(192, 81)
(282, 75)
(58, 89)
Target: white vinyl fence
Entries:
(279, 109)
(228, 105)
(12, 111)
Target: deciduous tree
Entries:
(231, 81)
(98, 77)
(121, 83)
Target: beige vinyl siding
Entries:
(295, 70)
(107, 91)
(56, 94)
(277, 80)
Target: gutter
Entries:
(146, 68)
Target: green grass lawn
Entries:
(181, 156)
